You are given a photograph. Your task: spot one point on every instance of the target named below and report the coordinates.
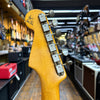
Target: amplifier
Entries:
(26, 51)
(8, 70)
(12, 88)
(15, 56)
(78, 63)
(91, 80)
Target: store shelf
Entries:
(20, 6)
(92, 33)
(4, 82)
(3, 52)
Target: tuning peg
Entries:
(51, 13)
(58, 33)
(56, 43)
(61, 42)
(64, 52)
(68, 63)
(54, 23)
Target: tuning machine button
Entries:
(42, 17)
(64, 52)
(68, 63)
(58, 33)
(51, 13)
(45, 27)
(54, 23)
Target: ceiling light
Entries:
(71, 22)
(61, 23)
(65, 26)
(70, 11)
(66, 29)
(66, 18)
(62, 18)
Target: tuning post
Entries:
(53, 34)
(60, 54)
(64, 64)
(56, 43)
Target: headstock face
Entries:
(44, 53)
(31, 19)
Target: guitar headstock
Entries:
(44, 53)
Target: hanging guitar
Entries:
(44, 57)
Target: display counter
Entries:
(10, 87)
(86, 73)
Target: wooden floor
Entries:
(32, 90)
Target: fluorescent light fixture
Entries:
(62, 18)
(71, 22)
(61, 23)
(65, 26)
(93, 22)
(66, 18)
(66, 29)
(70, 11)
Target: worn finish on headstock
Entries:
(40, 58)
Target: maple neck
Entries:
(41, 59)
(50, 93)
